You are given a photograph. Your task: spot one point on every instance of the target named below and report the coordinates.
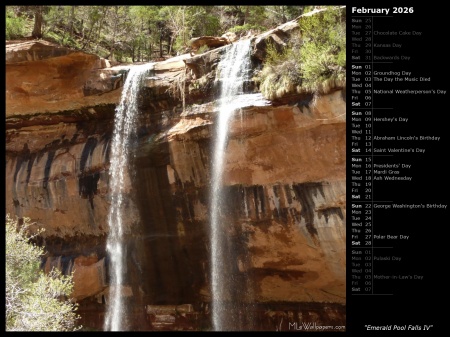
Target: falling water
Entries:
(233, 69)
(124, 127)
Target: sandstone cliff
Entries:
(284, 176)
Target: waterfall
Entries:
(124, 129)
(232, 69)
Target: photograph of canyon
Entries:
(184, 167)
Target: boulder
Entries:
(34, 50)
(209, 41)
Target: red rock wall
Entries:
(284, 175)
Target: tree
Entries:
(323, 50)
(117, 18)
(37, 30)
(314, 59)
(35, 301)
(179, 22)
(136, 33)
(15, 24)
(91, 16)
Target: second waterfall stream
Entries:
(232, 73)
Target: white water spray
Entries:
(124, 128)
(233, 69)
